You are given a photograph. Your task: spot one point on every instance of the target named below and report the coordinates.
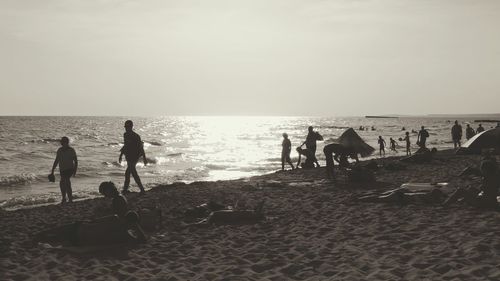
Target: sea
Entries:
(179, 148)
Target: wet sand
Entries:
(313, 231)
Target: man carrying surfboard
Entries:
(133, 148)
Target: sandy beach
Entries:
(313, 230)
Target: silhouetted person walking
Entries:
(408, 143)
(480, 129)
(456, 134)
(382, 144)
(422, 137)
(310, 143)
(68, 164)
(469, 132)
(133, 148)
(285, 152)
(393, 144)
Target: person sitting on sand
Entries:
(68, 164)
(119, 204)
(381, 143)
(422, 137)
(121, 227)
(480, 129)
(230, 216)
(469, 132)
(310, 143)
(133, 148)
(456, 134)
(486, 195)
(285, 152)
(393, 144)
(408, 143)
(150, 218)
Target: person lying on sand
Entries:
(99, 232)
(403, 196)
(423, 155)
(486, 195)
(121, 227)
(230, 216)
(203, 210)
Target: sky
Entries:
(271, 57)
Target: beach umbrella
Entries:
(355, 143)
(489, 139)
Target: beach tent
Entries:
(353, 141)
(489, 139)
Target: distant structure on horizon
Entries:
(378, 116)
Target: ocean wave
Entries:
(91, 136)
(112, 164)
(20, 179)
(190, 174)
(175, 154)
(46, 140)
(155, 143)
(217, 167)
(29, 201)
(274, 159)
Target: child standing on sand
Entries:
(382, 144)
(68, 164)
(393, 144)
(285, 152)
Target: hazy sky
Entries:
(310, 57)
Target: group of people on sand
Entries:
(309, 152)
(422, 136)
(67, 160)
(456, 133)
(122, 225)
(341, 154)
